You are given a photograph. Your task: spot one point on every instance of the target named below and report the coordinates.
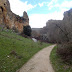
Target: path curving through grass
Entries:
(40, 62)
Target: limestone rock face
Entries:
(52, 22)
(68, 14)
(11, 20)
(68, 19)
(25, 15)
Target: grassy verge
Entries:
(58, 64)
(16, 50)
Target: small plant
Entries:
(13, 53)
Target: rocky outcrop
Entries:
(59, 30)
(52, 22)
(11, 20)
(68, 18)
(67, 21)
(68, 15)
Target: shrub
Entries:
(65, 51)
(27, 30)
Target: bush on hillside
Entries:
(27, 30)
(65, 51)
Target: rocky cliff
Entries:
(68, 17)
(67, 20)
(11, 20)
(59, 30)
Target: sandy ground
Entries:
(39, 62)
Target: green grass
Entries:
(25, 48)
(58, 64)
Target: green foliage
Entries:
(27, 30)
(15, 50)
(58, 64)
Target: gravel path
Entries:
(39, 62)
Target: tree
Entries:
(27, 30)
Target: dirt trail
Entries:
(39, 62)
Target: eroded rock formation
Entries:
(59, 30)
(11, 20)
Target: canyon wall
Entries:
(11, 20)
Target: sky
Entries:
(40, 11)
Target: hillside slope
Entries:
(15, 50)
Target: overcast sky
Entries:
(40, 11)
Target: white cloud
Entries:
(52, 2)
(19, 7)
(39, 20)
(65, 4)
(41, 4)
